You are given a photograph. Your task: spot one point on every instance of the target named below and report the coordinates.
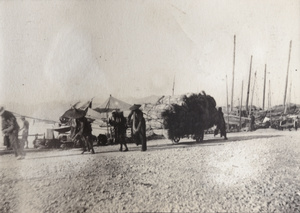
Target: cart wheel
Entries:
(176, 140)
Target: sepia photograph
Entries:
(149, 106)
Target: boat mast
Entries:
(247, 100)
(269, 100)
(241, 106)
(264, 92)
(227, 103)
(287, 78)
(290, 95)
(252, 92)
(107, 109)
(232, 89)
(173, 86)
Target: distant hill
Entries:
(146, 100)
(47, 110)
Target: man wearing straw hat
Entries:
(138, 125)
(11, 128)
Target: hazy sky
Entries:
(73, 50)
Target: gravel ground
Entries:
(251, 172)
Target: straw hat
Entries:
(1, 110)
(135, 107)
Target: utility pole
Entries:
(247, 100)
(264, 92)
(232, 89)
(287, 78)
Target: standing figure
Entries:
(118, 121)
(11, 128)
(35, 141)
(113, 121)
(138, 126)
(296, 123)
(84, 132)
(25, 132)
(252, 122)
(6, 142)
(221, 125)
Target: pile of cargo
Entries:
(197, 114)
(152, 113)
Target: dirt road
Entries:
(251, 172)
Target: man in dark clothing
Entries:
(11, 128)
(84, 132)
(252, 122)
(118, 121)
(222, 124)
(6, 142)
(138, 126)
